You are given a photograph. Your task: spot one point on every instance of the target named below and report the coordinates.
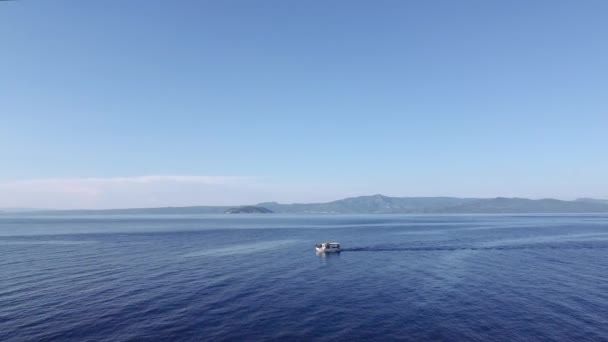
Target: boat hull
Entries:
(328, 250)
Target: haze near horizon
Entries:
(140, 104)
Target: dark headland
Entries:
(248, 209)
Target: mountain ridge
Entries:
(379, 204)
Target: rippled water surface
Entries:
(116, 278)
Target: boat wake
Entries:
(469, 248)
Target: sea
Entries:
(259, 278)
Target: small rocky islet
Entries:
(248, 210)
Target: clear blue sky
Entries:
(308, 100)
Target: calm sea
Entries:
(169, 278)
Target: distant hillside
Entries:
(248, 209)
(404, 205)
(593, 200)
(377, 204)
(523, 205)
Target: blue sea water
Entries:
(249, 277)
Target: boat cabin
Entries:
(328, 247)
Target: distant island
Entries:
(380, 204)
(248, 209)
(375, 204)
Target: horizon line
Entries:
(13, 210)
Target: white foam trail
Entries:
(421, 232)
(548, 239)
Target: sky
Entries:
(139, 103)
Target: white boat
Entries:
(328, 247)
